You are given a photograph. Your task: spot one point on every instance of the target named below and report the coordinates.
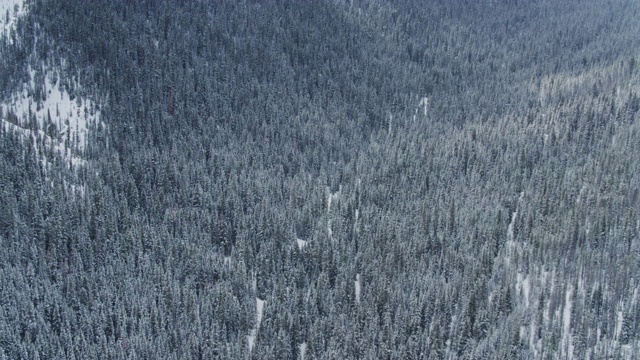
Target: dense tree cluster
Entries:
(395, 180)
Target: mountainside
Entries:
(325, 179)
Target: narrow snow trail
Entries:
(511, 244)
(566, 323)
(251, 338)
(303, 349)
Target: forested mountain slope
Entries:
(326, 179)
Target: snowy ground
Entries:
(10, 10)
(251, 338)
(301, 243)
(357, 286)
(332, 198)
(71, 117)
(303, 349)
(52, 122)
(61, 123)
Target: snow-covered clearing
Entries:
(49, 143)
(566, 323)
(619, 320)
(510, 227)
(57, 123)
(303, 349)
(43, 109)
(511, 244)
(71, 117)
(251, 338)
(10, 10)
(357, 286)
(424, 104)
(331, 198)
(254, 282)
(259, 308)
(523, 287)
(301, 243)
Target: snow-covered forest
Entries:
(361, 179)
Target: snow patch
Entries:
(583, 190)
(355, 223)
(254, 282)
(566, 323)
(259, 308)
(43, 107)
(510, 227)
(301, 243)
(10, 11)
(71, 117)
(548, 280)
(357, 286)
(55, 123)
(303, 349)
(619, 320)
(49, 143)
(523, 287)
(424, 104)
(510, 233)
(532, 338)
(331, 197)
(251, 338)
(54, 119)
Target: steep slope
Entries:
(48, 109)
(322, 179)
